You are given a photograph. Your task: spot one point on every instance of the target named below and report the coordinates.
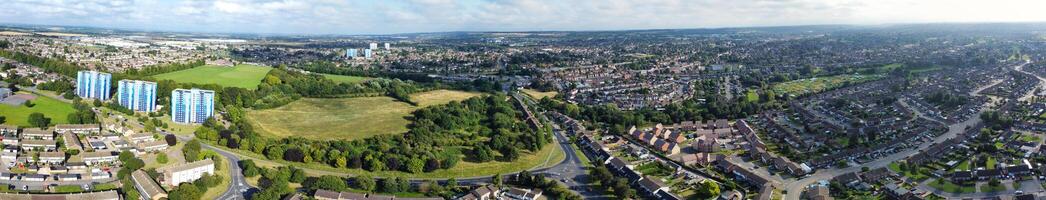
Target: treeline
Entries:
(48, 65)
(618, 121)
(273, 183)
(160, 69)
(946, 100)
(489, 128)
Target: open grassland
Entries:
(818, 84)
(242, 76)
(538, 94)
(346, 118)
(437, 97)
(57, 110)
(346, 79)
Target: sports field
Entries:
(346, 79)
(58, 111)
(242, 76)
(345, 118)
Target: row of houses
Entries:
(757, 151)
(997, 173)
(650, 187)
(747, 176)
(102, 195)
(487, 192)
(661, 138)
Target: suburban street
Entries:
(795, 188)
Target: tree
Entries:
(363, 182)
(328, 182)
(707, 189)
(191, 150)
(161, 158)
(249, 169)
(297, 175)
(416, 165)
(38, 120)
(185, 191)
(340, 162)
(621, 189)
(3, 119)
(497, 179)
(510, 153)
(171, 139)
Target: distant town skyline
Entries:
(413, 16)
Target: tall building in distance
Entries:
(373, 46)
(387, 46)
(137, 95)
(351, 53)
(367, 53)
(93, 85)
(192, 105)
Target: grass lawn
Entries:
(538, 94)
(243, 76)
(346, 79)
(464, 169)
(752, 96)
(988, 188)
(915, 176)
(214, 192)
(66, 189)
(584, 159)
(1029, 138)
(818, 84)
(948, 186)
(104, 187)
(57, 110)
(345, 118)
(963, 166)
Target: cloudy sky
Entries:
(404, 16)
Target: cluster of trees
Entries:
(609, 183)
(39, 120)
(946, 100)
(130, 164)
(274, 182)
(551, 187)
(47, 64)
(997, 120)
(57, 86)
(489, 125)
(83, 114)
(195, 189)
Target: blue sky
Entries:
(405, 16)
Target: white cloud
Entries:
(392, 16)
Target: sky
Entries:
(411, 16)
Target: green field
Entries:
(346, 79)
(345, 118)
(242, 76)
(57, 110)
(538, 94)
(819, 84)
